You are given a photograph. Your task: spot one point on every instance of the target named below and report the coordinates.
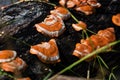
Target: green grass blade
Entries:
(110, 77)
(115, 51)
(114, 68)
(73, 16)
(86, 34)
(83, 36)
(90, 31)
(49, 74)
(114, 76)
(51, 4)
(101, 68)
(106, 66)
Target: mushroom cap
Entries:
(79, 26)
(47, 52)
(61, 12)
(7, 55)
(116, 19)
(14, 66)
(52, 26)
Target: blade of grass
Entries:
(102, 49)
(101, 60)
(86, 34)
(83, 36)
(110, 77)
(101, 68)
(51, 4)
(48, 75)
(90, 31)
(115, 51)
(73, 16)
(114, 76)
(114, 68)
(94, 63)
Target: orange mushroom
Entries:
(79, 26)
(7, 55)
(102, 38)
(47, 52)
(116, 19)
(14, 66)
(52, 26)
(10, 63)
(87, 9)
(61, 12)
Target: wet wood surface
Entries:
(6, 2)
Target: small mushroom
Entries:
(62, 2)
(52, 26)
(79, 26)
(61, 12)
(116, 19)
(87, 9)
(47, 52)
(7, 55)
(94, 3)
(10, 63)
(70, 4)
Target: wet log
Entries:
(16, 25)
(17, 32)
